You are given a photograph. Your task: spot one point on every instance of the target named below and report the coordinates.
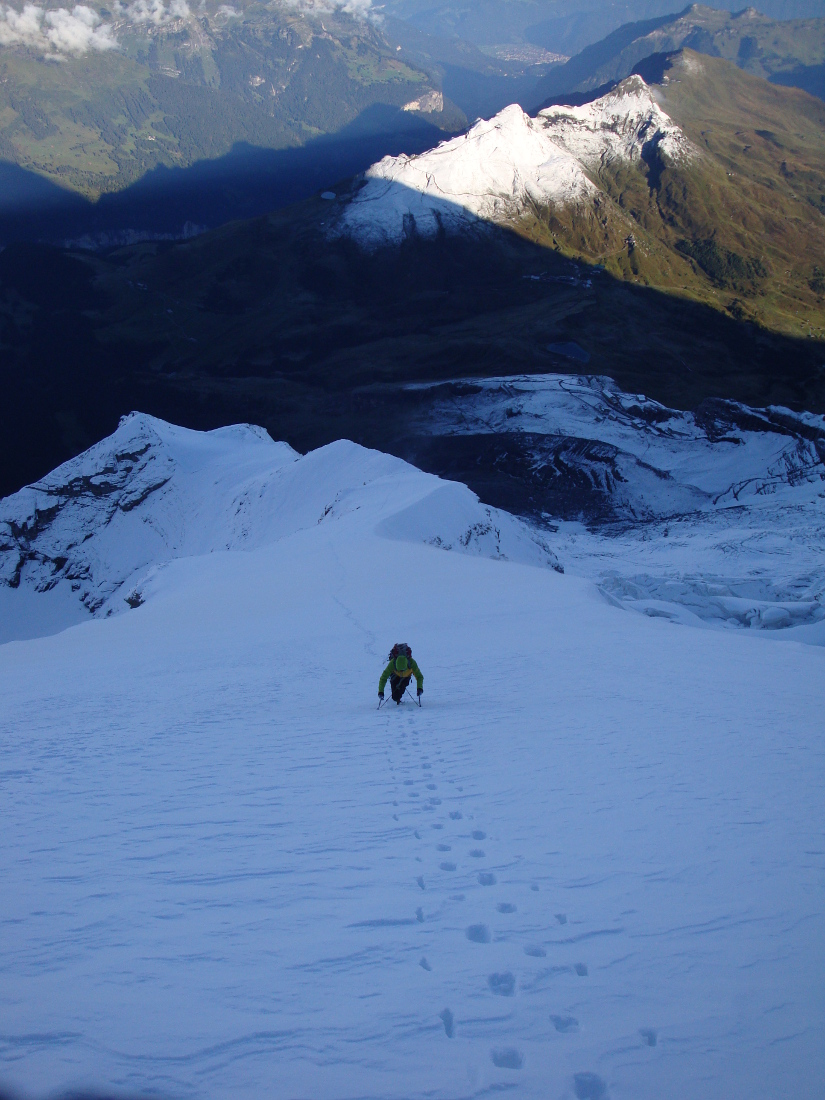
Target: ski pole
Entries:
(407, 692)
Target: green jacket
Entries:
(412, 670)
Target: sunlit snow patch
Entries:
(487, 174)
(624, 125)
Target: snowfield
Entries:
(590, 866)
(507, 165)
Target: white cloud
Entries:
(361, 9)
(152, 11)
(21, 28)
(55, 33)
(356, 7)
(64, 32)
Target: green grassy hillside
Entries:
(740, 227)
(191, 88)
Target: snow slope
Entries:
(93, 532)
(500, 167)
(146, 494)
(714, 517)
(590, 866)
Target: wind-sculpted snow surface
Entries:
(98, 528)
(715, 516)
(590, 866)
(502, 168)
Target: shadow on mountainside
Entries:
(273, 322)
(810, 78)
(178, 202)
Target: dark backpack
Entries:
(400, 649)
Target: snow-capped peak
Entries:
(618, 126)
(501, 166)
(489, 173)
(149, 492)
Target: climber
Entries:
(399, 671)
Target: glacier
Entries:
(714, 517)
(591, 865)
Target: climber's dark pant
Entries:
(398, 684)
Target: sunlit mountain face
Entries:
(161, 120)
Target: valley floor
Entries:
(591, 865)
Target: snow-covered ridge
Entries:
(100, 524)
(620, 126)
(715, 516)
(502, 165)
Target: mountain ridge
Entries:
(511, 163)
(783, 52)
(638, 180)
(100, 525)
